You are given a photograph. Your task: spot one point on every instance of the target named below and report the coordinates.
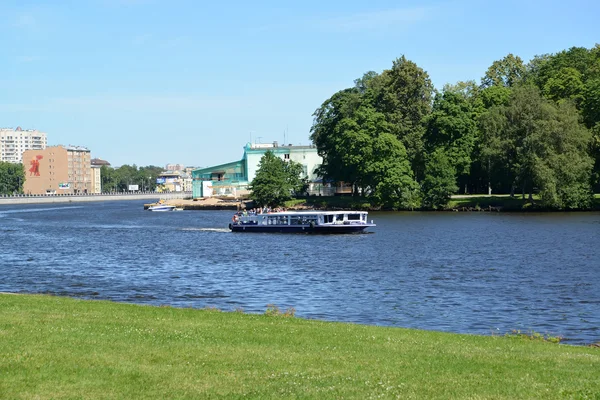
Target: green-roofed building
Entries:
(233, 178)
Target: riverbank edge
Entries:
(89, 198)
(459, 203)
(98, 349)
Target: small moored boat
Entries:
(303, 221)
(161, 207)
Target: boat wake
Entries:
(2, 213)
(206, 229)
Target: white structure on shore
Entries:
(13, 142)
(234, 177)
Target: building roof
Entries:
(98, 161)
(275, 145)
(218, 168)
(76, 148)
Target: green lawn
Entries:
(61, 348)
(504, 202)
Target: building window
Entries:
(286, 156)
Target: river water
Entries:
(478, 273)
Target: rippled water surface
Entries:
(479, 273)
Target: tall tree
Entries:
(440, 180)
(542, 146)
(452, 128)
(326, 129)
(507, 72)
(404, 95)
(391, 179)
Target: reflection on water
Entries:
(458, 272)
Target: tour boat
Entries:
(302, 221)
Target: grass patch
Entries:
(503, 202)
(62, 348)
(293, 203)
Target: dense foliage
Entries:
(276, 180)
(12, 177)
(527, 128)
(119, 179)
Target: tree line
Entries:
(119, 179)
(527, 128)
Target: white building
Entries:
(13, 142)
(307, 156)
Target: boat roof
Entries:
(313, 212)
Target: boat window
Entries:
(339, 217)
(354, 217)
(310, 218)
(278, 220)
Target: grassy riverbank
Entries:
(458, 203)
(61, 348)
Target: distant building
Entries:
(13, 142)
(58, 170)
(234, 177)
(99, 162)
(96, 178)
(96, 166)
(174, 167)
(170, 181)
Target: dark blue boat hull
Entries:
(300, 229)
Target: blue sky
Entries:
(151, 82)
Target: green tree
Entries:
(389, 174)
(404, 95)
(107, 177)
(566, 84)
(542, 146)
(119, 179)
(147, 176)
(327, 131)
(294, 175)
(573, 75)
(495, 96)
(12, 178)
(440, 180)
(274, 181)
(507, 72)
(562, 167)
(452, 127)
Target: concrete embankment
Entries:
(150, 197)
(203, 204)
